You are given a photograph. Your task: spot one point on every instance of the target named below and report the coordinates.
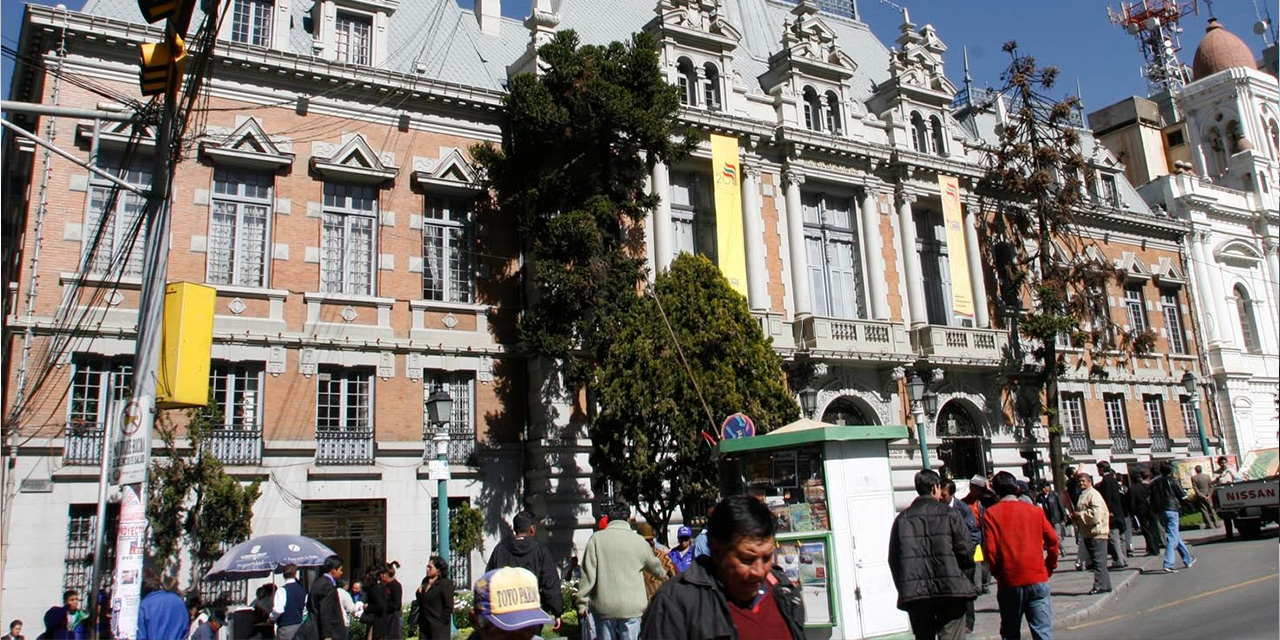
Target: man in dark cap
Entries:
(523, 550)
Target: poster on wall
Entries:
(130, 540)
(815, 580)
(958, 255)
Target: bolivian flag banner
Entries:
(727, 176)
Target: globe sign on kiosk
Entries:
(738, 425)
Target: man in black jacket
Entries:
(323, 605)
(929, 551)
(1112, 494)
(524, 551)
(737, 585)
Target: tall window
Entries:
(937, 135)
(238, 219)
(687, 81)
(1157, 430)
(935, 266)
(115, 217)
(812, 110)
(99, 389)
(236, 390)
(1136, 307)
(354, 39)
(919, 133)
(446, 251)
(1191, 425)
(460, 385)
(692, 215)
(1073, 422)
(833, 118)
(832, 251)
(347, 251)
(251, 22)
(1117, 425)
(1173, 320)
(344, 400)
(1248, 326)
(711, 87)
(81, 526)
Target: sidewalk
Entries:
(1070, 588)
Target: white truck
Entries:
(1249, 505)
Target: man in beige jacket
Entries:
(1093, 519)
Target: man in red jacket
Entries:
(1021, 548)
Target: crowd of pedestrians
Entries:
(944, 551)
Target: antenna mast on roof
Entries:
(1155, 24)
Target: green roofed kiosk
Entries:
(831, 495)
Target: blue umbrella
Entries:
(264, 555)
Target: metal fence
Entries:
(82, 444)
(346, 446)
(235, 446)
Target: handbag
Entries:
(415, 614)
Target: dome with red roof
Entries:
(1219, 50)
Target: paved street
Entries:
(1230, 593)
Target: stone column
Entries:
(1227, 332)
(976, 277)
(663, 232)
(753, 239)
(1271, 249)
(1203, 289)
(873, 249)
(800, 294)
(917, 314)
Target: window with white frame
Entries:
(344, 400)
(1110, 193)
(1173, 320)
(1248, 326)
(1136, 307)
(251, 22)
(711, 87)
(833, 255)
(1117, 424)
(238, 217)
(834, 120)
(460, 385)
(919, 133)
(347, 240)
(1157, 430)
(446, 250)
(98, 388)
(114, 221)
(812, 110)
(1073, 422)
(935, 267)
(687, 81)
(692, 215)
(1190, 424)
(236, 392)
(353, 38)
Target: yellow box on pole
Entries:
(187, 340)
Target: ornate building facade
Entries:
(328, 194)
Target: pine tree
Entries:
(692, 339)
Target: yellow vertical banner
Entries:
(958, 254)
(727, 177)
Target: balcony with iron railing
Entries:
(235, 445)
(1121, 442)
(462, 445)
(961, 343)
(1078, 443)
(344, 446)
(82, 443)
(854, 337)
(1160, 442)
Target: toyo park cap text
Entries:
(508, 597)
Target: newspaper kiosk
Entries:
(830, 492)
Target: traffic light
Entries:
(162, 65)
(156, 10)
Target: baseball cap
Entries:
(684, 532)
(508, 597)
(978, 481)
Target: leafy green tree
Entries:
(647, 434)
(1033, 206)
(466, 530)
(580, 139)
(192, 499)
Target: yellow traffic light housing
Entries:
(156, 10)
(162, 65)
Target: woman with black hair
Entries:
(379, 612)
(395, 600)
(435, 601)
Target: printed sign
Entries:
(130, 542)
(726, 175)
(738, 425)
(953, 218)
(132, 444)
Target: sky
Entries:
(1074, 35)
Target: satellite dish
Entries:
(1260, 27)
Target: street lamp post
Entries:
(1192, 385)
(439, 409)
(916, 393)
(808, 401)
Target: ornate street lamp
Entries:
(439, 410)
(808, 401)
(916, 393)
(1192, 385)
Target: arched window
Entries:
(687, 80)
(919, 133)
(1248, 327)
(935, 126)
(846, 411)
(711, 87)
(834, 122)
(812, 110)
